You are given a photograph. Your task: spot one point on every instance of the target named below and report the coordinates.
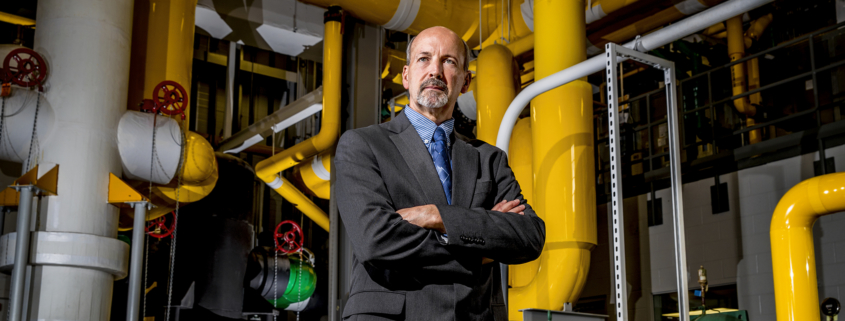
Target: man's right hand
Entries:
(506, 207)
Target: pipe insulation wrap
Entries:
(18, 118)
(276, 183)
(320, 169)
(404, 16)
(651, 41)
(134, 142)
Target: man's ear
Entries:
(405, 82)
(467, 80)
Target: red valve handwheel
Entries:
(158, 227)
(287, 242)
(25, 67)
(170, 98)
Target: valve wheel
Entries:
(25, 67)
(158, 228)
(287, 242)
(170, 98)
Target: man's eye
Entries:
(450, 61)
(423, 59)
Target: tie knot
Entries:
(439, 135)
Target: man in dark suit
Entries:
(427, 214)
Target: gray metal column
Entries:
(618, 222)
(136, 260)
(677, 194)
(21, 253)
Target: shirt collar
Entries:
(425, 127)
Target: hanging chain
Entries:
(2, 120)
(299, 295)
(175, 225)
(149, 197)
(34, 138)
(275, 249)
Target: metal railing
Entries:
(720, 148)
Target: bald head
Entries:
(442, 34)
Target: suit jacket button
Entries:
(482, 241)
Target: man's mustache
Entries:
(433, 82)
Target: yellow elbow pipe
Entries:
(314, 175)
(495, 90)
(301, 202)
(199, 174)
(519, 158)
(268, 170)
(791, 234)
(562, 163)
(522, 46)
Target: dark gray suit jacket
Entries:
(404, 272)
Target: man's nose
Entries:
(436, 71)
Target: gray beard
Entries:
(432, 99)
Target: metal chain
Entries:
(275, 281)
(299, 295)
(149, 197)
(175, 226)
(34, 137)
(2, 121)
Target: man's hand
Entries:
(425, 216)
(506, 207)
(509, 207)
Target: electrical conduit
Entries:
(268, 170)
(791, 234)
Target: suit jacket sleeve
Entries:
(508, 238)
(379, 235)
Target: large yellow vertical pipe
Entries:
(791, 234)
(170, 45)
(736, 50)
(495, 90)
(519, 158)
(563, 168)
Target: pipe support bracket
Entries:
(70, 249)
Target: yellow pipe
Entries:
(16, 20)
(520, 155)
(314, 175)
(303, 203)
(462, 17)
(791, 234)
(170, 46)
(751, 35)
(199, 174)
(564, 186)
(268, 170)
(736, 50)
(645, 25)
(522, 46)
(496, 89)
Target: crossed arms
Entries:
(393, 238)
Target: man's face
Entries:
(435, 76)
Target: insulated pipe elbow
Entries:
(791, 235)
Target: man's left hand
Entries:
(425, 216)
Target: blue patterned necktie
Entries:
(442, 163)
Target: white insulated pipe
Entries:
(86, 44)
(651, 41)
(134, 142)
(19, 117)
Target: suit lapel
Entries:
(413, 151)
(464, 172)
